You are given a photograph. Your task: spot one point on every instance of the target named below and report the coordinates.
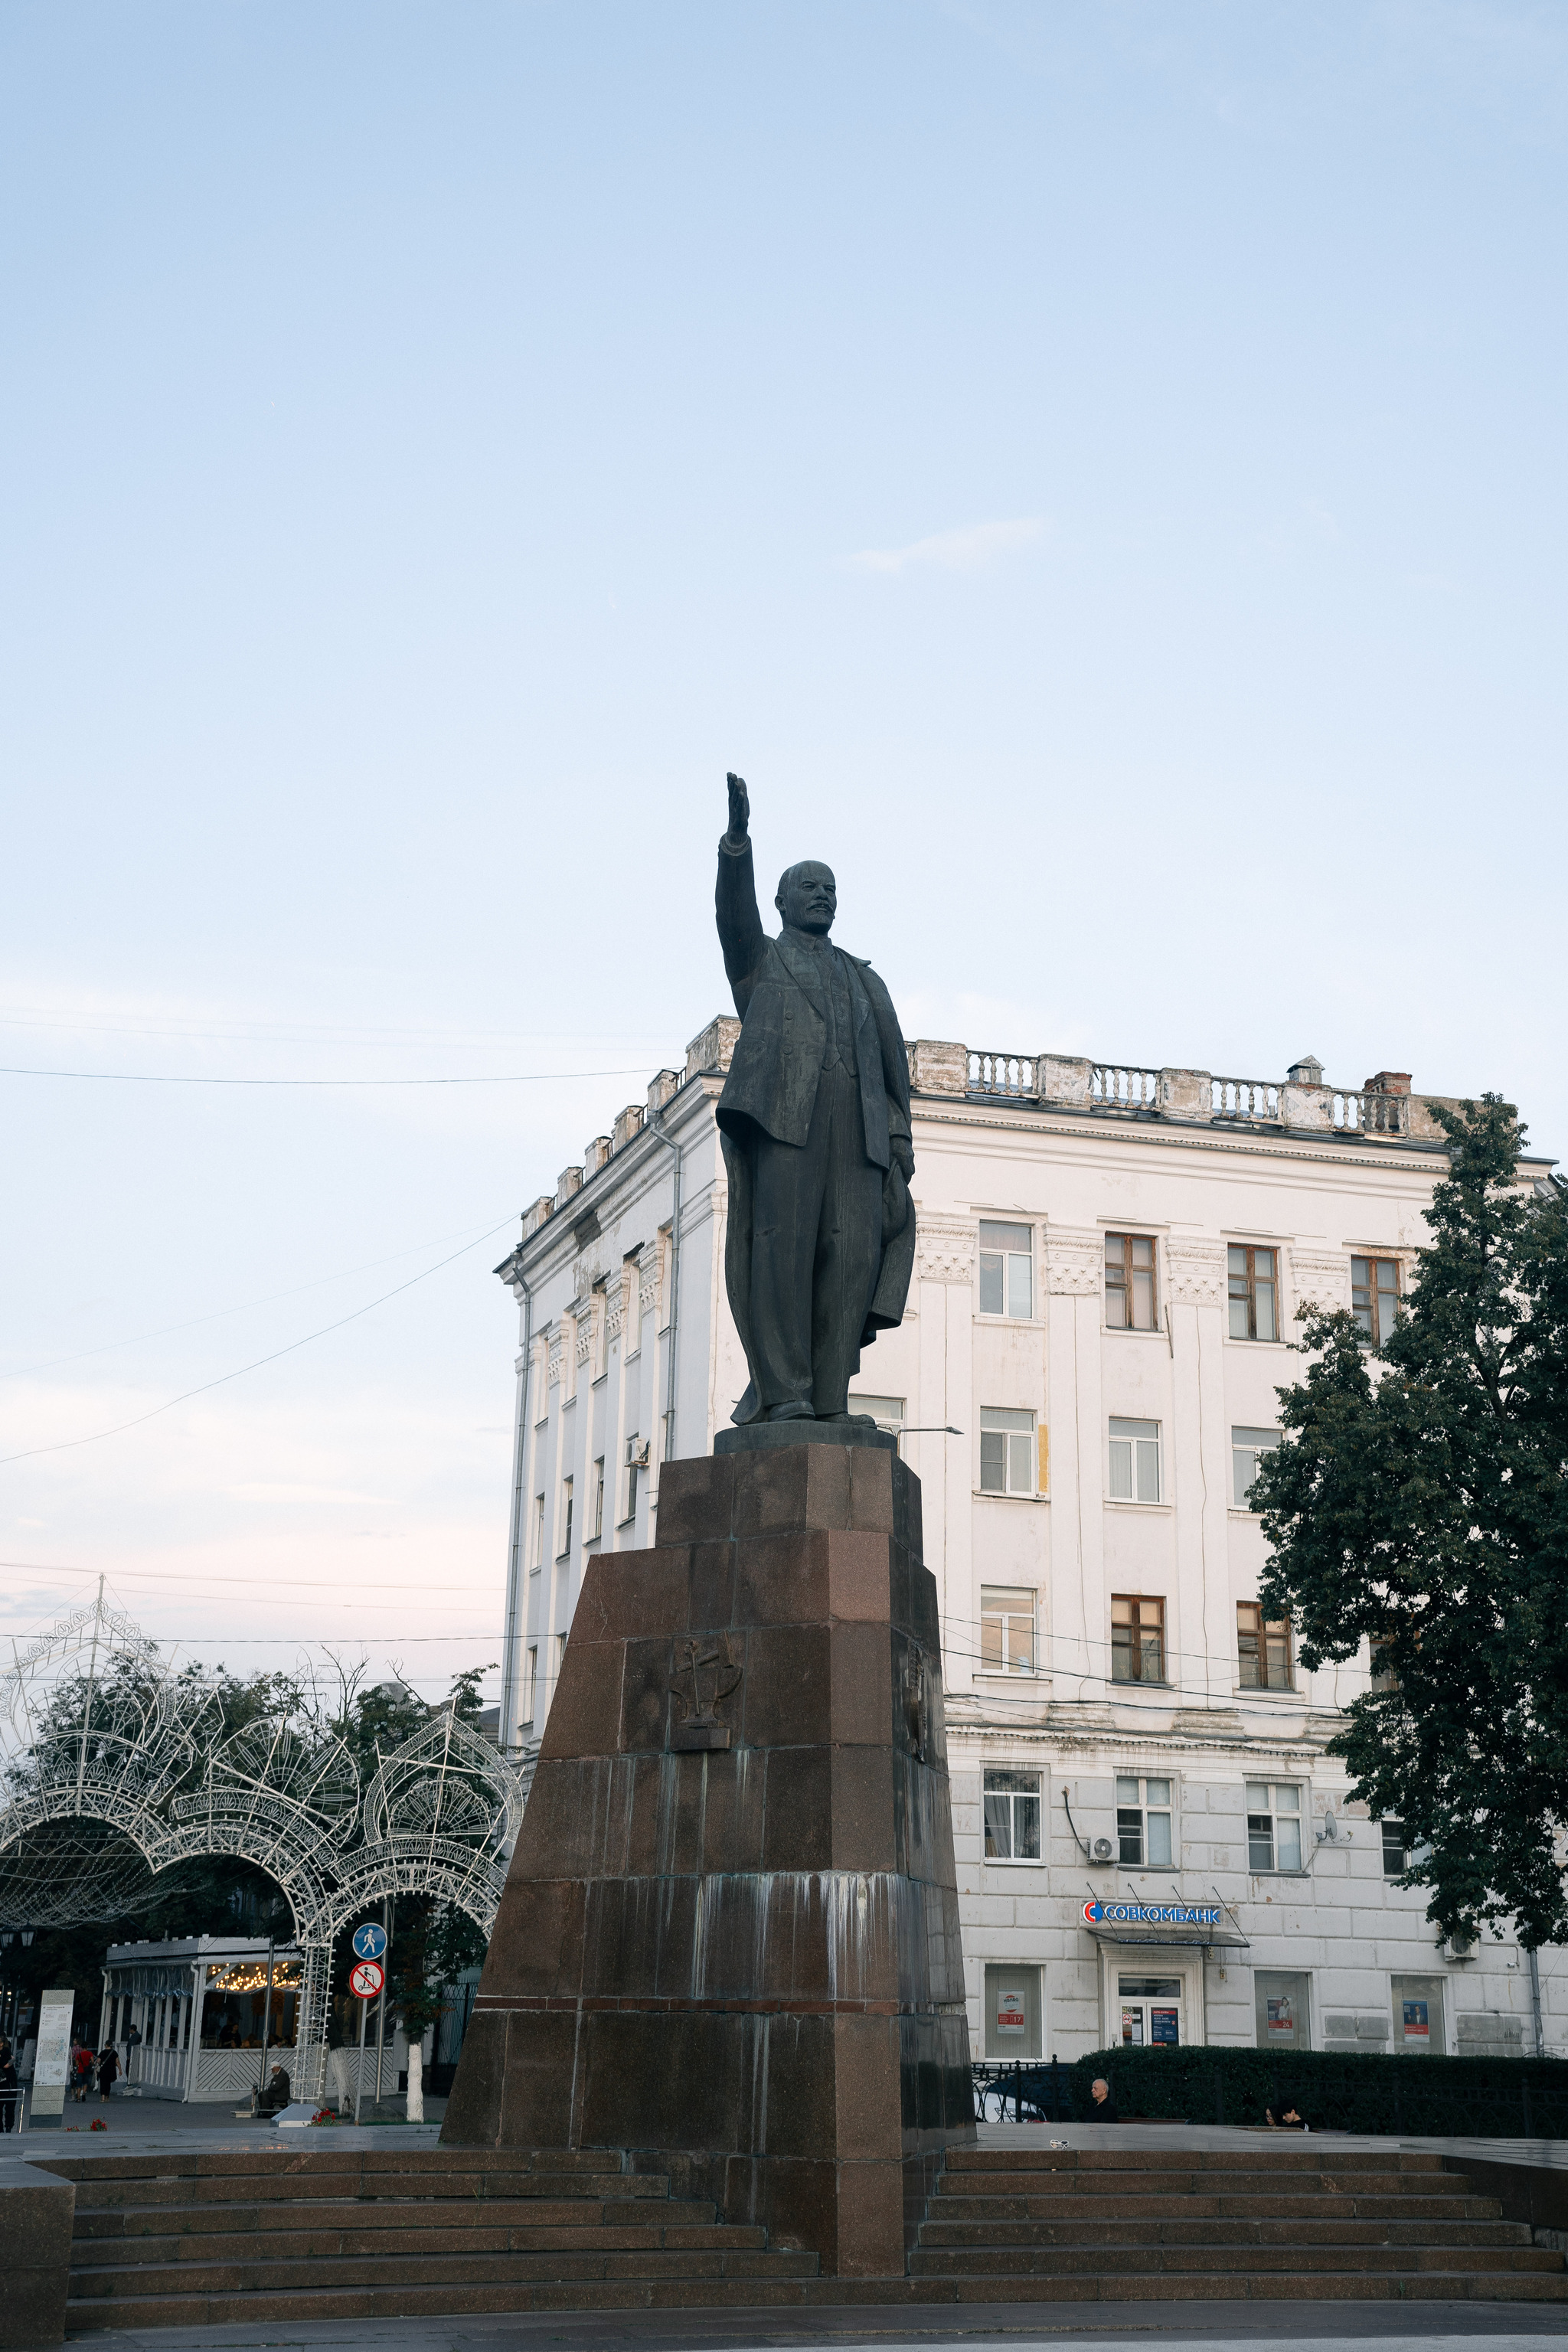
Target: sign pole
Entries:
(359, 2077)
(266, 2019)
(381, 2004)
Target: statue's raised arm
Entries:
(741, 933)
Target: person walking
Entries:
(10, 2089)
(81, 2071)
(108, 2069)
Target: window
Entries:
(1253, 1283)
(1374, 1297)
(1263, 1649)
(1273, 1826)
(632, 1466)
(1011, 1803)
(1007, 1269)
(560, 1654)
(1006, 1631)
(598, 1500)
(1142, 1822)
(1396, 1853)
(566, 1486)
(1128, 1281)
(1134, 1461)
(1013, 2012)
(539, 1531)
(529, 1681)
(888, 1412)
(1007, 1450)
(1247, 1447)
(1137, 1638)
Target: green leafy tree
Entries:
(1418, 1502)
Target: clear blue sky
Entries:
(1098, 471)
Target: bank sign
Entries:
(1151, 1915)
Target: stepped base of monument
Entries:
(212, 2240)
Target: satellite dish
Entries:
(1102, 1849)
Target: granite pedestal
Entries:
(729, 1945)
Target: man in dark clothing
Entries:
(815, 1117)
(277, 2096)
(1101, 2106)
(108, 2069)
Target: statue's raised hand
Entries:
(740, 808)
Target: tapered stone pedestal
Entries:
(729, 1942)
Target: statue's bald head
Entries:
(808, 896)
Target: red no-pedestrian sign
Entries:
(366, 1978)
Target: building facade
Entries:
(1152, 1845)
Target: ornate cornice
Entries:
(1075, 1261)
(944, 1249)
(1195, 1272)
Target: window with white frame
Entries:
(1012, 1807)
(530, 1680)
(632, 1463)
(1006, 1269)
(1007, 1450)
(560, 1653)
(1007, 1629)
(1134, 1461)
(1273, 1825)
(1247, 1448)
(538, 1544)
(1396, 1853)
(888, 1412)
(1128, 1281)
(567, 1486)
(631, 1317)
(598, 1517)
(1142, 1822)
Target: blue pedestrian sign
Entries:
(370, 1941)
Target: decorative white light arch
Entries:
(148, 1759)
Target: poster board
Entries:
(51, 2064)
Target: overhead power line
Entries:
(193, 1322)
(162, 1078)
(64, 1444)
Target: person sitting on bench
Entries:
(277, 2096)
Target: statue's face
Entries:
(808, 897)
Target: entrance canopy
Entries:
(1156, 1926)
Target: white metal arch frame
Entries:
(149, 1759)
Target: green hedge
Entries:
(1493, 2098)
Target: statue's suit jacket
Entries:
(773, 1076)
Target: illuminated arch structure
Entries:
(148, 1777)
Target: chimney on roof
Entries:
(1307, 1072)
(1388, 1082)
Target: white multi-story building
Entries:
(1110, 1264)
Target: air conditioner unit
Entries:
(640, 1460)
(1102, 1849)
(1460, 1947)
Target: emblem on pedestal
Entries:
(711, 1672)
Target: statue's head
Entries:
(808, 896)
